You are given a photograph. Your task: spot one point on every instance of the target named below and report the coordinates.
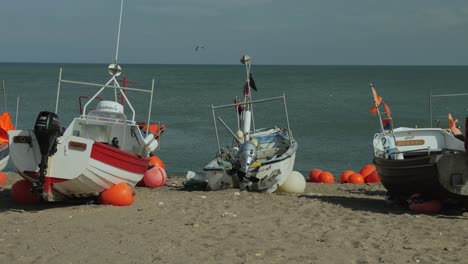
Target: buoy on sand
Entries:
(326, 177)
(368, 170)
(419, 205)
(356, 178)
(314, 175)
(155, 161)
(345, 175)
(121, 194)
(295, 183)
(2, 178)
(21, 193)
(155, 177)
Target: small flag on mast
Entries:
(252, 85)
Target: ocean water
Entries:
(328, 105)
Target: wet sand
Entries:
(328, 224)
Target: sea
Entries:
(328, 106)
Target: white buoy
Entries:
(247, 121)
(295, 183)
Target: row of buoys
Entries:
(367, 174)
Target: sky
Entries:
(277, 32)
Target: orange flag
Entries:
(5, 126)
(387, 110)
(373, 110)
(377, 98)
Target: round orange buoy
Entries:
(374, 177)
(368, 170)
(356, 178)
(345, 175)
(314, 175)
(155, 161)
(121, 194)
(21, 193)
(155, 177)
(418, 205)
(2, 178)
(326, 177)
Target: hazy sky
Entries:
(317, 32)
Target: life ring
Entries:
(419, 205)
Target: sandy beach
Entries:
(330, 223)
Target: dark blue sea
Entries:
(328, 105)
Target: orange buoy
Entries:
(374, 177)
(121, 194)
(2, 178)
(155, 177)
(368, 170)
(418, 205)
(155, 161)
(326, 177)
(21, 193)
(345, 175)
(356, 178)
(314, 175)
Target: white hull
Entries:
(80, 168)
(407, 141)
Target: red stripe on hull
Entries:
(118, 158)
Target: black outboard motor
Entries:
(46, 129)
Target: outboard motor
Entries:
(46, 129)
(246, 155)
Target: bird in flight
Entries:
(199, 47)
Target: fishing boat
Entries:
(5, 126)
(431, 162)
(101, 147)
(259, 159)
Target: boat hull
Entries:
(4, 155)
(439, 176)
(270, 175)
(80, 168)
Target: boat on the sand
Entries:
(431, 162)
(258, 159)
(103, 146)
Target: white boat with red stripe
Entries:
(101, 147)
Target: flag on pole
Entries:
(377, 98)
(252, 85)
(252, 82)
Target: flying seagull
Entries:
(199, 47)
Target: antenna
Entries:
(118, 33)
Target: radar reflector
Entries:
(245, 59)
(114, 69)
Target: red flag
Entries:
(246, 89)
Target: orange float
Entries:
(314, 175)
(326, 177)
(155, 177)
(356, 178)
(418, 205)
(21, 193)
(121, 194)
(345, 175)
(155, 161)
(368, 170)
(374, 177)
(3, 178)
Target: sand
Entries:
(328, 224)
